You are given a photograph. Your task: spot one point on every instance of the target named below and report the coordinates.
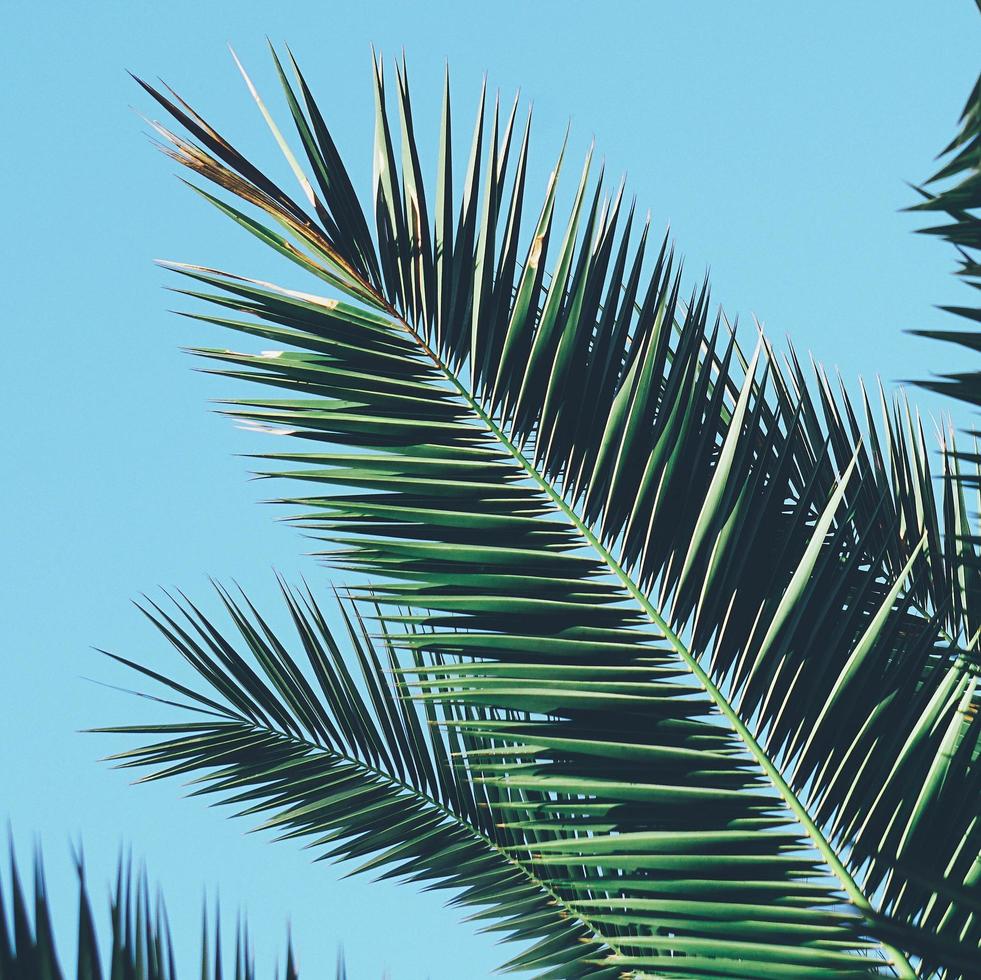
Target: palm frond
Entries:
(139, 938)
(719, 617)
(955, 192)
(344, 760)
(959, 199)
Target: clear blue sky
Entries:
(775, 137)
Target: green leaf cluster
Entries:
(689, 624)
(657, 653)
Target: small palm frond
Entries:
(139, 942)
(719, 619)
(960, 200)
(345, 760)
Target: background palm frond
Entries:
(139, 943)
(959, 199)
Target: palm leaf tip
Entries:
(137, 943)
(585, 471)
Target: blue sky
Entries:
(774, 137)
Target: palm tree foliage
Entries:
(139, 945)
(344, 759)
(677, 686)
(959, 198)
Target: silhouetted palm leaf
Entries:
(139, 944)
(345, 759)
(959, 199)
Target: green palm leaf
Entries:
(719, 622)
(139, 945)
(955, 192)
(958, 200)
(345, 761)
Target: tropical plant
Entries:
(653, 650)
(960, 199)
(139, 941)
(685, 639)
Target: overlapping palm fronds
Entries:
(959, 199)
(341, 757)
(138, 945)
(691, 622)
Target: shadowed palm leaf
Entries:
(140, 945)
(960, 200)
(348, 761)
(696, 635)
